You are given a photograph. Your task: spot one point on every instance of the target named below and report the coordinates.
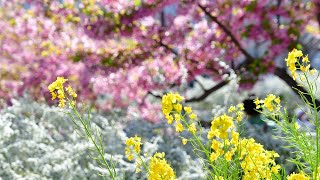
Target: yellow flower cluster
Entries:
(172, 109)
(218, 178)
(299, 176)
(71, 92)
(292, 60)
(135, 143)
(238, 110)
(160, 169)
(219, 127)
(293, 63)
(172, 102)
(256, 162)
(271, 102)
(56, 90)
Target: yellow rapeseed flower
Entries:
(240, 106)
(171, 102)
(305, 59)
(271, 102)
(257, 102)
(305, 68)
(177, 117)
(256, 162)
(178, 107)
(234, 137)
(299, 176)
(188, 109)
(220, 126)
(231, 109)
(213, 156)
(192, 128)
(169, 118)
(135, 143)
(239, 116)
(218, 178)
(56, 90)
(159, 168)
(312, 71)
(193, 116)
(292, 60)
(179, 127)
(184, 141)
(228, 155)
(71, 92)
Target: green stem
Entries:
(199, 143)
(316, 123)
(101, 154)
(143, 164)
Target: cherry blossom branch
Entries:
(280, 72)
(227, 31)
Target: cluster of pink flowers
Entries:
(125, 49)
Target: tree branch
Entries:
(168, 48)
(208, 92)
(200, 84)
(282, 74)
(228, 32)
(154, 95)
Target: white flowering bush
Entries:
(39, 142)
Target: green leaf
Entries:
(108, 61)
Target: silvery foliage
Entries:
(39, 142)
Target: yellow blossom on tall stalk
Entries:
(160, 169)
(271, 102)
(82, 124)
(292, 60)
(188, 109)
(57, 91)
(184, 141)
(294, 63)
(172, 109)
(256, 162)
(298, 176)
(220, 126)
(192, 128)
(218, 178)
(238, 110)
(171, 102)
(71, 92)
(193, 116)
(179, 127)
(229, 155)
(132, 143)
